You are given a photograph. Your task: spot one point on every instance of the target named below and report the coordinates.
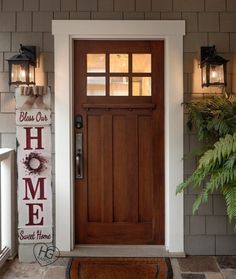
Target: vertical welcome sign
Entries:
(33, 133)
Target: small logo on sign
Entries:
(46, 254)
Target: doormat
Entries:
(119, 268)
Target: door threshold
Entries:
(137, 251)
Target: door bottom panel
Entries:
(117, 233)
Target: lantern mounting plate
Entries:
(207, 52)
(26, 53)
(29, 51)
(209, 55)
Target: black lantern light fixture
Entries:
(22, 66)
(213, 68)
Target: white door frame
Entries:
(172, 32)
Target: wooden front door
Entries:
(119, 114)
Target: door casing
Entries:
(172, 33)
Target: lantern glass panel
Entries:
(204, 75)
(216, 74)
(18, 73)
(31, 74)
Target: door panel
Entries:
(145, 173)
(94, 169)
(120, 199)
(125, 169)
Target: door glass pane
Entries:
(96, 86)
(96, 63)
(141, 63)
(119, 63)
(141, 86)
(119, 86)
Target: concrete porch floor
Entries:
(192, 267)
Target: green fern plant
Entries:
(213, 117)
(218, 167)
(215, 121)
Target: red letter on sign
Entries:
(34, 213)
(33, 191)
(29, 138)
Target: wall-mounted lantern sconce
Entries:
(22, 66)
(213, 68)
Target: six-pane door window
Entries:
(119, 74)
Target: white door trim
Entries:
(172, 33)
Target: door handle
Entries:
(79, 156)
(78, 164)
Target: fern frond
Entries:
(183, 185)
(229, 192)
(218, 180)
(197, 203)
(221, 151)
(231, 162)
(196, 179)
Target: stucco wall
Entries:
(208, 22)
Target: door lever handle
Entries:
(79, 156)
(79, 164)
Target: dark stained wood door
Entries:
(118, 91)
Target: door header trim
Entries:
(118, 28)
(172, 33)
